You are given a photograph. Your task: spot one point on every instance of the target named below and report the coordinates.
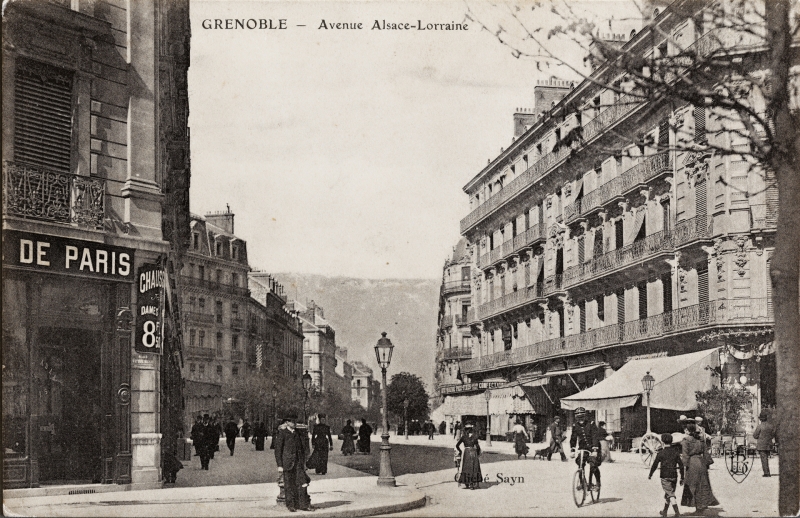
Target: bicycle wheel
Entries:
(579, 488)
(594, 491)
(650, 445)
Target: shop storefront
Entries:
(67, 335)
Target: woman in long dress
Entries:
(696, 487)
(470, 474)
(347, 433)
(520, 439)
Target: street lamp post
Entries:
(647, 383)
(306, 387)
(405, 417)
(274, 407)
(488, 396)
(383, 352)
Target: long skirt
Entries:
(470, 468)
(363, 444)
(259, 440)
(319, 460)
(519, 444)
(348, 448)
(696, 486)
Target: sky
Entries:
(345, 152)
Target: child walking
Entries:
(670, 460)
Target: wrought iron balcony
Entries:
(728, 40)
(721, 312)
(533, 234)
(553, 284)
(188, 280)
(200, 353)
(37, 193)
(509, 301)
(455, 353)
(199, 318)
(455, 286)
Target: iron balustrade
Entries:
(716, 312)
(35, 192)
(509, 300)
(456, 353)
(535, 233)
(201, 353)
(202, 318)
(553, 284)
(215, 286)
(454, 286)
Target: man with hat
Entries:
(556, 439)
(585, 436)
(764, 434)
(207, 439)
(290, 455)
(322, 442)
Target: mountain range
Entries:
(360, 309)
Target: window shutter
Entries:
(701, 203)
(771, 197)
(581, 252)
(700, 125)
(769, 287)
(620, 307)
(42, 115)
(666, 282)
(663, 134)
(582, 309)
(702, 282)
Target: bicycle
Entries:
(580, 483)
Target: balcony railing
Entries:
(215, 286)
(664, 241)
(520, 241)
(200, 318)
(462, 320)
(726, 39)
(639, 174)
(455, 353)
(237, 356)
(509, 300)
(42, 194)
(455, 286)
(690, 318)
(553, 284)
(201, 353)
(471, 315)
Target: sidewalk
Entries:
(343, 497)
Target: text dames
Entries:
(150, 284)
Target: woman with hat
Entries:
(470, 473)
(697, 487)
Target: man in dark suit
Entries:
(322, 441)
(231, 431)
(291, 451)
(764, 434)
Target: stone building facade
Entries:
(95, 221)
(597, 239)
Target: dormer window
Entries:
(235, 252)
(218, 248)
(195, 241)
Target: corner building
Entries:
(95, 196)
(597, 242)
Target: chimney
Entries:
(222, 219)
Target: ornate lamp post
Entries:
(405, 417)
(647, 383)
(306, 388)
(383, 352)
(274, 407)
(488, 396)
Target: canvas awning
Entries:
(677, 378)
(466, 404)
(541, 379)
(509, 400)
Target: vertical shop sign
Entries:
(149, 315)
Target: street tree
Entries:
(407, 386)
(723, 408)
(736, 64)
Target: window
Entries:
(219, 370)
(201, 272)
(201, 303)
(192, 301)
(218, 248)
(219, 339)
(219, 276)
(195, 241)
(218, 308)
(43, 115)
(202, 369)
(201, 339)
(191, 368)
(235, 309)
(235, 279)
(192, 336)
(235, 371)
(235, 342)
(235, 252)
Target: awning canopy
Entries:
(465, 404)
(537, 379)
(677, 378)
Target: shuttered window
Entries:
(772, 197)
(768, 286)
(620, 307)
(619, 229)
(663, 134)
(581, 252)
(666, 283)
(700, 125)
(642, 289)
(701, 204)
(582, 309)
(42, 115)
(702, 290)
(598, 241)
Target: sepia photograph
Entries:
(410, 258)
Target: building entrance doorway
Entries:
(70, 428)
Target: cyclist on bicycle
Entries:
(586, 435)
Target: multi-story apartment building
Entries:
(276, 346)
(95, 220)
(319, 344)
(343, 380)
(453, 336)
(215, 303)
(599, 238)
(366, 390)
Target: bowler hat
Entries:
(291, 415)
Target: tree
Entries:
(743, 72)
(407, 386)
(723, 407)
